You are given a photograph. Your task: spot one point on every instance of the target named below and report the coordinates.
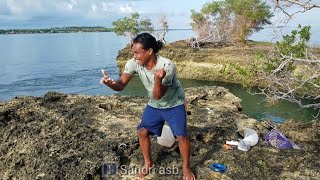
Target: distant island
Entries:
(71, 29)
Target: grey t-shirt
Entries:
(174, 95)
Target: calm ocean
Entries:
(33, 64)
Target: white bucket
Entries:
(166, 139)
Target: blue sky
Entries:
(53, 13)
(57, 13)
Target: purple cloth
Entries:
(277, 139)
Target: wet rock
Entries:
(61, 136)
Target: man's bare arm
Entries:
(118, 85)
(159, 89)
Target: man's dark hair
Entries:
(148, 41)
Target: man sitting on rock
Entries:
(166, 103)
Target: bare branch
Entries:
(285, 84)
(301, 60)
(161, 28)
(304, 5)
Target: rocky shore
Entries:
(65, 136)
(211, 63)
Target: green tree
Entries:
(250, 15)
(199, 24)
(291, 71)
(232, 20)
(292, 46)
(131, 26)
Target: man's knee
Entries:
(143, 133)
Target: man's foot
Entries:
(145, 170)
(188, 174)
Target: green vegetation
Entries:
(230, 20)
(72, 29)
(290, 46)
(132, 26)
(293, 59)
(228, 64)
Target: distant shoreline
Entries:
(71, 29)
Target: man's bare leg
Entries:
(144, 142)
(184, 146)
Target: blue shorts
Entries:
(153, 120)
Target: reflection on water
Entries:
(253, 105)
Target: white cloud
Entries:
(94, 8)
(126, 8)
(25, 7)
(69, 12)
(107, 6)
(95, 12)
(65, 6)
(34, 7)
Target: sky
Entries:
(56, 13)
(59, 13)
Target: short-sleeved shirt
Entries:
(174, 95)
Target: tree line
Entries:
(229, 21)
(71, 29)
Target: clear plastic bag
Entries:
(251, 136)
(250, 139)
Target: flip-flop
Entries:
(143, 174)
(218, 167)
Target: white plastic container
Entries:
(166, 139)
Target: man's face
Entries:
(141, 55)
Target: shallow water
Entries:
(253, 105)
(33, 64)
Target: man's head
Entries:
(144, 47)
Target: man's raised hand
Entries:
(105, 79)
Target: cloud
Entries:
(38, 11)
(67, 6)
(94, 8)
(126, 8)
(27, 13)
(31, 7)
